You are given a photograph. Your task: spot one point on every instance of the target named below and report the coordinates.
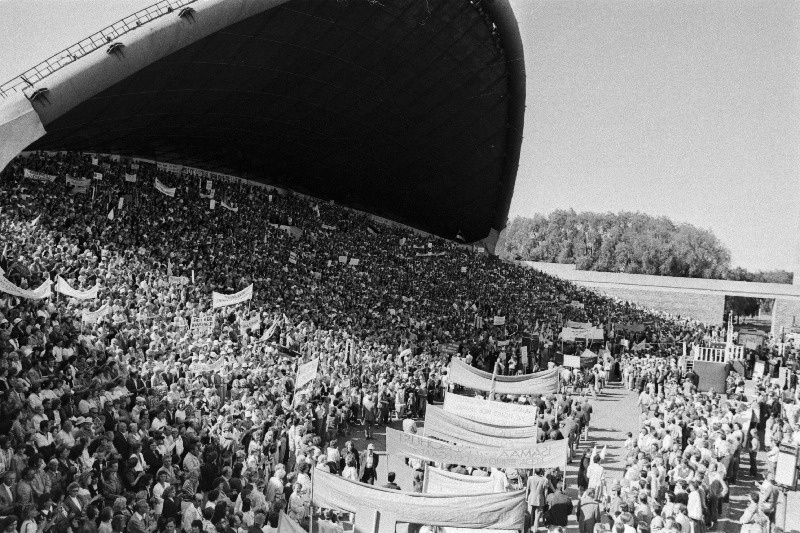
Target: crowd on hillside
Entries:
(137, 421)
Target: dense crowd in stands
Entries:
(138, 422)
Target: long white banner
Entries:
(91, 317)
(306, 373)
(504, 510)
(63, 287)
(438, 481)
(491, 412)
(169, 191)
(458, 430)
(223, 300)
(443, 482)
(42, 291)
(548, 454)
(39, 176)
(545, 382)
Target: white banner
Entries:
(169, 191)
(353, 261)
(458, 430)
(548, 454)
(98, 176)
(306, 373)
(202, 325)
(499, 321)
(545, 382)
(130, 178)
(224, 300)
(39, 176)
(378, 509)
(178, 280)
(572, 361)
(91, 317)
(169, 167)
(439, 481)
(42, 291)
(229, 207)
(63, 287)
(500, 414)
(79, 183)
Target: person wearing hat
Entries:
(368, 465)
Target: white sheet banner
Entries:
(169, 191)
(499, 414)
(548, 454)
(202, 325)
(459, 430)
(42, 291)
(169, 167)
(130, 178)
(378, 510)
(499, 321)
(63, 287)
(178, 280)
(545, 382)
(98, 176)
(572, 361)
(91, 317)
(79, 183)
(39, 176)
(224, 300)
(306, 373)
(229, 207)
(439, 481)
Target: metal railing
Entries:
(103, 37)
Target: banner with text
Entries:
(545, 382)
(439, 481)
(224, 300)
(306, 373)
(498, 414)
(42, 291)
(91, 317)
(548, 454)
(504, 510)
(459, 430)
(39, 176)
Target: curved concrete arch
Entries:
(411, 111)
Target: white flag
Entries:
(121, 202)
(111, 214)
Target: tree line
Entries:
(633, 243)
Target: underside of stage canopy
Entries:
(408, 109)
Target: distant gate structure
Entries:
(700, 299)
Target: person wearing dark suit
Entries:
(369, 465)
(171, 507)
(137, 523)
(8, 494)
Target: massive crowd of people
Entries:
(137, 421)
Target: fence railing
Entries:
(102, 38)
(718, 355)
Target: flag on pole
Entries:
(35, 221)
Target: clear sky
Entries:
(688, 109)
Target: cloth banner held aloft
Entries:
(91, 317)
(38, 176)
(224, 300)
(439, 481)
(511, 420)
(379, 510)
(545, 382)
(548, 454)
(63, 287)
(42, 291)
(453, 428)
(160, 187)
(306, 373)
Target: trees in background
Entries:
(634, 243)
